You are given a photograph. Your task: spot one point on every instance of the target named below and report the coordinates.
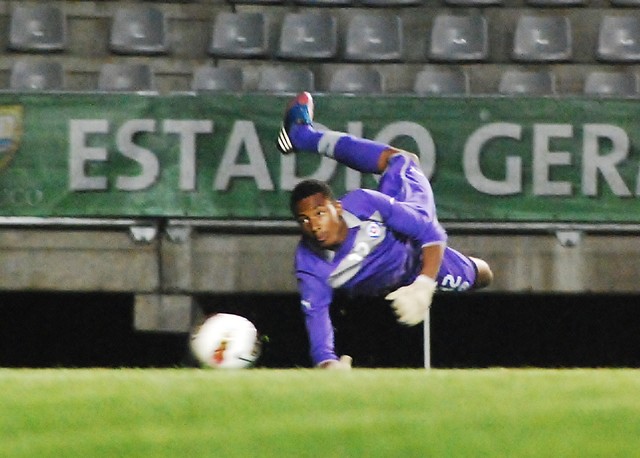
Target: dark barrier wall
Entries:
(472, 330)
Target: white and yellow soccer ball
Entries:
(226, 341)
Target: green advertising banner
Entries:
(213, 156)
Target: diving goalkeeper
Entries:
(385, 242)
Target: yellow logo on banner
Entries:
(10, 133)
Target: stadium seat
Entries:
(459, 38)
(37, 27)
(441, 81)
(527, 82)
(542, 39)
(37, 75)
(126, 77)
(356, 80)
(473, 3)
(256, 2)
(556, 3)
(611, 83)
(328, 3)
(308, 36)
(619, 39)
(140, 29)
(374, 38)
(239, 35)
(624, 3)
(389, 3)
(208, 78)
(286, 80)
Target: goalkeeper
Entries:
(386, 242)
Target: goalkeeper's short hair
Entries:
(308, 188)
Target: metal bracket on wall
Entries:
(178, 234)
(569, 239)
(143, 234)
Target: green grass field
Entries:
(313, 413)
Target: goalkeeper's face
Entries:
(320, 220)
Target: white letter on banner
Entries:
(288, 177)
(424, 141)
(187, 129)
(543, 159)
(512, 183)
(147, 159)
(606, 164)
(243, 134)
(353, 178)
(80, 153)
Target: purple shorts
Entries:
(405, 182)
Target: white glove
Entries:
(411, 303)
(344, 363)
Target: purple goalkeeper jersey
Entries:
(382, 251)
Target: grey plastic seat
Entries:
(256, 2)
(327, 3)
(239, 35)
(308, 36)
(611, 83)
(616, 3)
(619, 39)
(542, 39)
(208, 78)
(473, 3)
(527, 82)
(441, 81)
(390, 3)
(286, 80)
(39, 27)
(126, 77)
(37, 75)
(556, 3)
(140, 29)
(374, 38)
(356, 80)
(459, 38)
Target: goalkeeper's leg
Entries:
(297, 134)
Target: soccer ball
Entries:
(226, 341)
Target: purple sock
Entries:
(304, 137)
(358, 153)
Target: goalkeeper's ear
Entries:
(338, 206)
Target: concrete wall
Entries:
(201, 261)
(76, 260)
(167, 269)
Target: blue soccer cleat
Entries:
(299, 111)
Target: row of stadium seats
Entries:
(452, 38)
(201, 35)
(49, 75)
(414, 3)
(314, 35)
(444, 3)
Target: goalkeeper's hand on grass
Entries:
(344, 363)
(412, 302)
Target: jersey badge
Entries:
(373, 230)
